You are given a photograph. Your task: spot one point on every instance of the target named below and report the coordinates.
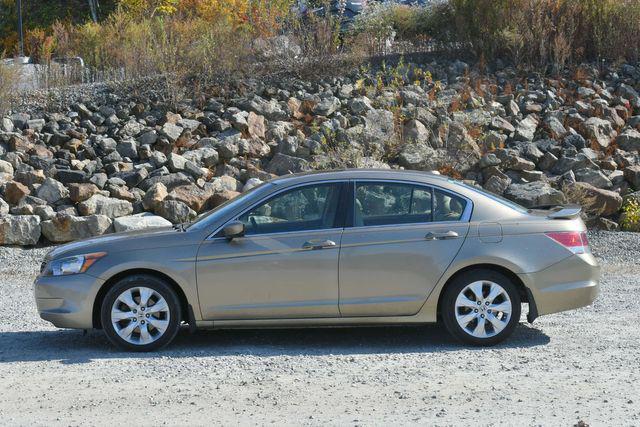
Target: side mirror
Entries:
(233, 229)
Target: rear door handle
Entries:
(318, 244)
(441, 235)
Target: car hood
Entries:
(116, 242)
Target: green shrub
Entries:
(630, 218)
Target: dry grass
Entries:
(8, 77)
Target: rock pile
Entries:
(122, 162)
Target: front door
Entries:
(403, 238)
(286, 265)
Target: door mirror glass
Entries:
(233, 229)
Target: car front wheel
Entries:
(481, 307)
(141, 313)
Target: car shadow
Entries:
(73, 347)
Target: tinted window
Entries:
(447, 207)
(312, 207)
(391, 203)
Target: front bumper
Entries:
(569, 284)
(67, 301)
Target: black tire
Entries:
(159, 286)
(448, 307)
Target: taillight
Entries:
(575, 241)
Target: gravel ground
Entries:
(577, 366)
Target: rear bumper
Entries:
(67, 301)
(566, 285)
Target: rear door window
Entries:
(381, 203)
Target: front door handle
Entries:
(318, 244)
(441, 235)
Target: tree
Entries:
(93, 7)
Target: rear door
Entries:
(402, 239)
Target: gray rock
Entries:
(632, 175)
(281, 164)
(36, 124)
(66, 228)
(45, 212)
(502, 124)
(128, 149)
(175, 211)
(4, 207)
(170, 181)
(415, 131)
(535, 194)
(131, 128)
(526, 129)
(270, 109)
(171, 131)
(629, 140)
(516, 163)
(360, 105)
(139, 222)
(148, 138)
(593, 177)
(102, 205)
(52, 191)
(599, 130)
(6, 167)
(497, 185)
(489, 159)
(327, 106)
(19, 230)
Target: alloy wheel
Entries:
(140, 315)
(483, 309)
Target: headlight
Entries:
(72, 265)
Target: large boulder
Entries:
(139, 222)
(191, 195)
(175, 211)
(19, 230)
(52, 191)
(593, 177)
(15, 191)
(629, 140)
(596, 200)
(533, 194)
(599, 130)
(154, 195)
(418, 157)
(81, 192)
(415, 131)
(281, 164)
(632, 174)
(6, 167)
(102, 205)
(4, 207)
(526, 129)
(66, 228)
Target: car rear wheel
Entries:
(481, 307)
(141, 313)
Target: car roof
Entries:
(337, 174)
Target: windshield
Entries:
(493, 197)
(230, 205)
